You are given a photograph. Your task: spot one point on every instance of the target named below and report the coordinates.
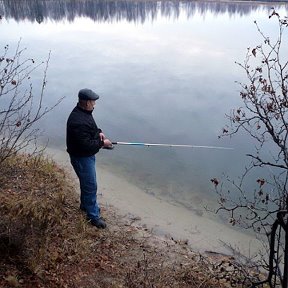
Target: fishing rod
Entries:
(167, 145)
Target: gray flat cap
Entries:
(87, 94)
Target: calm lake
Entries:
(165, 73)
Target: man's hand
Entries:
(107, 144)
(102, 136)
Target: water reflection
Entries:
(132, 11)
(168, 81)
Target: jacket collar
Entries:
(83, 110)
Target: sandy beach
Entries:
(168, 220)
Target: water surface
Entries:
(165, 73)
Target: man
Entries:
(84, 139)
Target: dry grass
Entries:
(46, 242)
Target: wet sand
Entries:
(163, 218)
(168, 219)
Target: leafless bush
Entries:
(20, 106)
(264, 117)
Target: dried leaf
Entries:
(215, 181)
(261, 181)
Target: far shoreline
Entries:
(213, 1)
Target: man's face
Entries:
(90, 105)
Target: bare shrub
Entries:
(263, 116)
(20, 107)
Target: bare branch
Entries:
(20, 108)
(257, 201)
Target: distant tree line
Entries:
(137, 11)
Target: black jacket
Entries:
(82, 135)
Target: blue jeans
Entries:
(85, 168)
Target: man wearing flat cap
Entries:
(84, 139)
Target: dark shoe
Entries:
(99, 223)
